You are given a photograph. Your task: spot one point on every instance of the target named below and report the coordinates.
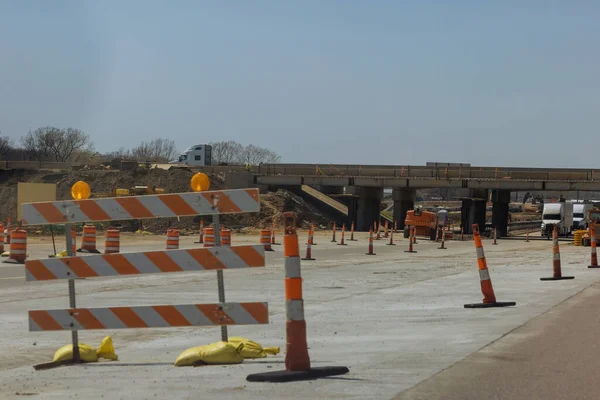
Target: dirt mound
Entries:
(103, 183)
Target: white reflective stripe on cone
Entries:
(14, 251)
(480, 253)
(557, 256)
(292, 267)
(484, 274)
(294, 310)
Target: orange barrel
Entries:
(225, 237)
(18, 245)
(88, 239)
(112, 241)
(172, 239)
(1, 237)
(209, 237)
(265, 239)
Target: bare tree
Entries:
(159, 150)
(36, 144)
(234, 153)
(61, 145)
(6, 145)
(228, 152)
(66, 143)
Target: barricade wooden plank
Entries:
(151, 262)
(160, 316)
(141, 207)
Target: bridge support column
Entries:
(367, 206)
(473, 210)
(404, 200)
(501, 199)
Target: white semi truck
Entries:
(557, 214)
(580, 215)
(199, 155)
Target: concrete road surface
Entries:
(395, 319)
(554, 356)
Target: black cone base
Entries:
(88, 251)
(352, 240)
(199, 242)
(342, 244)
(371, 254)
(557, 278)
(442, 248)
(491, 305)
(12, 261)
(410, 251)
(593, 266)
(308, 259)
(292, 376)
(391, 244)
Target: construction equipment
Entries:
(424, 222)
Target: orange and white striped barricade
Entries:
(443, 243)
(411, 240)
(1, 237)
(201, 236)
(352, 233)
(556, 267)
(170, 261)
(309, 256)
(265, 239)
(112, 241)
(297, 359)
(88, 240)
(370, 251)
(18, 247)
(209, 236)
(594, 255)
(489, 298)
(73, 240)
(343, 236)
(333, 240)
(172, 239)
(225, 237)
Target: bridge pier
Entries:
(365, 209)
(473, 210)
(404, 200)
(501, 200)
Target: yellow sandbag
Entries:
(87, 353)
(214, 353)
(252, 349)
(61, 254)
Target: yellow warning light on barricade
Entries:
(80, 190)
(200, 182)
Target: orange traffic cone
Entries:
(391, 243)
(333, 234)
(342, 242)
(556, 268)
(297, 360)
(594, 259)
(442, 247)
(370, 253)
(489, 298)
(352, 233)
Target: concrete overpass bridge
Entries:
(366, 184)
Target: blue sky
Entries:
(511, 83)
